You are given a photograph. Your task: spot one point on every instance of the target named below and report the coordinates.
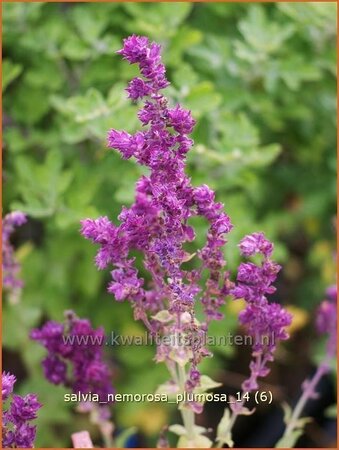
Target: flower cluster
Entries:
(10, 267)
(265, 321)
(157, 223)
(17, 430)
(326, 320)
(75, 356)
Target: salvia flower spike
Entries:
(264, 321)
(75, 356)
(17, 414)
(158, 227)
(157, 224)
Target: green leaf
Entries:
(18, 320)
(206, 383)
(10, 72)
(157, 14)
(75, 49)
(289, 440)
(163, 316)
(287, 412)
(202, 98)
(29, 104)
(223, 431)
(41, 186)
(177, 429)
(196, 442)
(181, 355)
(86, 107)
(46, 75)
(261, 34)
(90, 22)
(182, 41)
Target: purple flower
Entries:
(138, 88)
(99, 231)
(75, 355)
(255, 282)
(8, 382)
(265, 322)
(10, 267)
(331, 293)
(128, 145)
(15, 219)
(135, 49)
(55, 369)
(157, 227)
(8, 439)
(125, 284)
(326, 317)
(256, 243)
(16, 428)
(25, 436)
(181, 120)
(204, 200)
(50, 335)
(24, 408)
(193, 379)
(326, 320)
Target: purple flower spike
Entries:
(8, 381)
(265, 322)
(135, 49)
(256, 243)
(24, 408)
(157, 224)
(25, 436)
(326, 320)
(138, 50)
(17, 431)
(75, 354)
(181, 120)
(157, 227)
(138, 88)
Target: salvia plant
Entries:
(17, 415)
(75, 363)
(158, 226)
(75, 360)
(183, 293)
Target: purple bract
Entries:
(157, 224)
(326, 320)
(16, 417)
(77, 346)
(264, 321)
(158, 227)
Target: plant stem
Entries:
(260, 361)
(187, 414)
(107, 437)
(306, 395)
(228, 430)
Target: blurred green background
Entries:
(261, 81)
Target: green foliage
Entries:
(260, 80)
